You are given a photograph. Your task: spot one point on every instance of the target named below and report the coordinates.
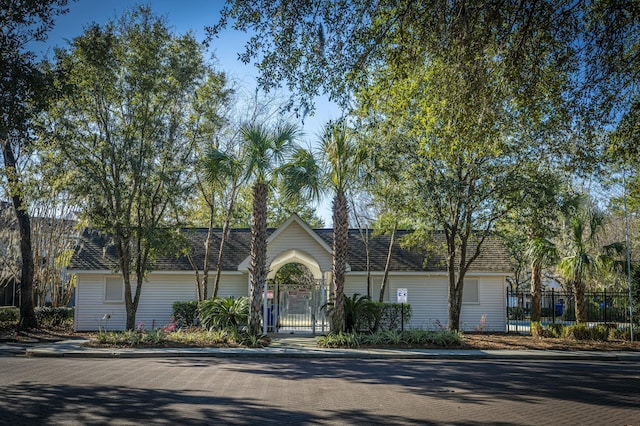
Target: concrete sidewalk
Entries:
(300, 347)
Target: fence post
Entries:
(553, 306)
(507, 308)
(605, 305)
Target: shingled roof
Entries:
(96, 252)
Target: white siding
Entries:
(294, 237)
(91, 308)
(231, 285)
(355, 284)
(156, 300)
(428, 297)
(491, 295)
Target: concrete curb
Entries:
(74, 349)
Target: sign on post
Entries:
(402, 295)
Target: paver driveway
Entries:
(316, 391)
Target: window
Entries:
(114, 290)
(470, 292)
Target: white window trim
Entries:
(474, 302)
(104, 291)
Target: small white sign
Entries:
(402, 295)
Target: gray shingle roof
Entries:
(96, 252)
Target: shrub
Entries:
(48, 316)
(417, 337)
(9, 315)
(223, 313)
(578, 332)
(184, 313)
(364, 315)
(554, 331)
(536, 329)
(600, 332)
(391, 315)
(620, 334)
(359, 313)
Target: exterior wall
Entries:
(231, 285)
(296, 238)
(156, 301)
(490, 314)
(428, 295)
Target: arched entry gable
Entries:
(295, 256)
(295, 239)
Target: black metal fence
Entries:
(558, 307)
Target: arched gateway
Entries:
(294, 305)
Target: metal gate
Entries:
(295, 307)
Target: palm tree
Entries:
(582, 259)
(335, 168)
(341, 161)
(265, 150)
(541, 252)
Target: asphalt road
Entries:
(316, 391)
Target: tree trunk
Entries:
(258, 269)
(223, 239)
(578, 291)
(27, 314)
(207, 250)
(340, 249)
(387, 265)
(455, 304)
(536, 291)
(123, 250)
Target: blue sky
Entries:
(183, 16)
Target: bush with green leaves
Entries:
(554, 331)
(392, 338)
(624, 333)
(54, 316)
(364, 315)
(579, 332)
(189, 337)
(184, 313)
(536, 329)
(227, 312)
(391, 315)
(9, 315)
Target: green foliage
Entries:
(188, 337)
(184, 313)
(391, 315)
(616, 333)
(537, 329)
(358, 311)
(392, 338)
(54, 316)
(46, 316)
(363, 314)
(554, 331)
(221, 313)
(599, 332)
(117, 135)
(9, 315)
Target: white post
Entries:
(265, 321)
(323, 300)
(626, 237)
